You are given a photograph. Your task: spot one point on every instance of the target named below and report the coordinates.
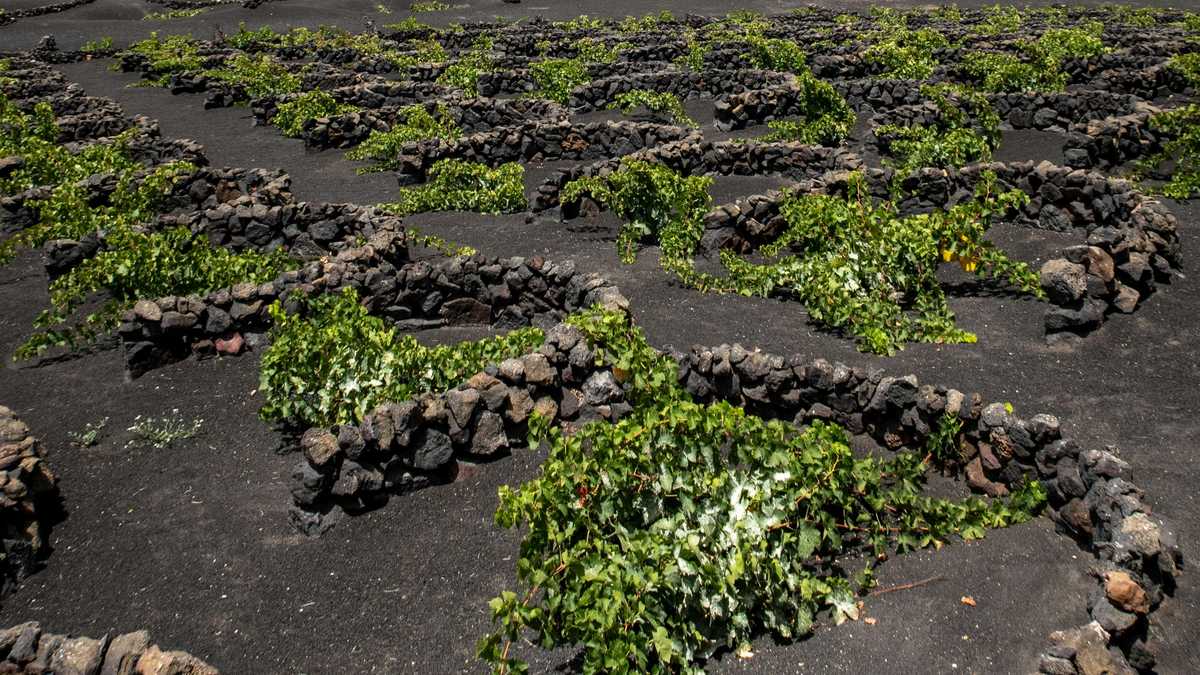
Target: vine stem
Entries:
(905, 587)
(524, 603)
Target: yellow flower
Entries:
(947, 255)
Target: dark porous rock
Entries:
(466, 311)
(489, 437)
(1052, 665)
(432, 450)
(1112, 619)
(319, 446)
(25, 643)
(537, 370)
(1064, 281)
(601, 388)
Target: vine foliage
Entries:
(330, 362)
(685, 529)
(455, 185)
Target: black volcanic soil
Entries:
(193, 543)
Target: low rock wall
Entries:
(29, 502)
(25, 649)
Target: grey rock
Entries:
(432, 450)
(123, 653)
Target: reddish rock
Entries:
(231, 345)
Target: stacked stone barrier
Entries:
(26, 649)
(686, 84)
(29, 503)
(471, 115)
(791, 159)
(413, 294)
(1113, 141)
(11, 15)
(231, 205)
(539, 141)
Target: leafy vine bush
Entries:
(654, 201)
(776, 54)
(429, 6)
(557, 78)
(331, 362)
(907, 54)
(1002, 72)
(663, 104)
(384, 147)
(137, 265)
(1000, 19)
(291, 115)
(101, 45)
(1180, 130)
(861, 267)
(464, 73)
(166, 57)
(183, 13)
(647, 23)
(825, 117)
(455, 185)
(967, 130)
(581, 24)
(260, 76)
(68, 212)
(685, 529)
(1041, 70)
(1058, 44)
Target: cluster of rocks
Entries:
(28, 500)
(402, 446)
(470, 115)
(1024, 110)
(540, 142)
(685, 84)
(414, 294)
(232, 205)
(723, 158)
(222, 93)
(1060, 110)
(25, 649)
(1113, 141)
(1146, 76)
(1131, 241)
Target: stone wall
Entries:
(402, 446)
(502, 292)
(791, 159)
(686, 84)
(1130, 242)
(25, 649)
(11, 15)
(238, 208)
(29, 502)
(538, 142)
(1042, 111)
(471, 115)
(1113, 141)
